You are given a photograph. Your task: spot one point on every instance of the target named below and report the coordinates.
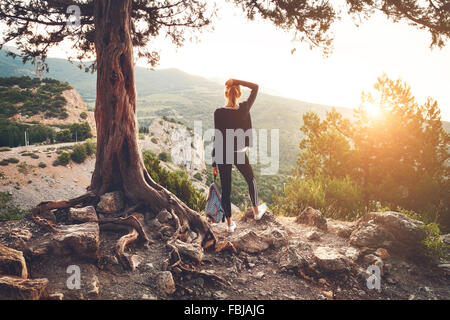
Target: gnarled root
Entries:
(134, 231)
(45, 208)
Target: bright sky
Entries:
(258, 52)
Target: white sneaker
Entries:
(261, 210)
(231, 227)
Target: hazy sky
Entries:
(257, 51)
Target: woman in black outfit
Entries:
(235, 118)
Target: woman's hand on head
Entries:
(229, 83)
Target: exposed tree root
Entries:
(121, 245)
(45, 208)
(130, 221)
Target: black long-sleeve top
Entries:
(234, 118)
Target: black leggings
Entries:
(225, 179)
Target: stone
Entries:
(342, 229)
(12, 262)
(111, 202)
(329, 259)
(94, 286)
(250, 242)
(368, 234)
(401, 226)
(56, 296)
(225, 246)
(14, 288)
(352, 253)
(275, 237)
(78, 239)
(86, 214)
(165, 283)
(382, 253)
(20, 233)
(312, 235)
(164, 216)
(291, 258)
(390, 230)
(193, 251)
(312, 217)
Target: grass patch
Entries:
(8, 211)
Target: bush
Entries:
(198, 176)
(154, 140)
(336, 198)
(8, 211)
(433, 240)
(83, 115)
(63, 158)
(176, 182)
(64, 136)
(3, 149)
(164, 156)
(4, 162)
(42, 165)
(78, 154)
(13, 160)
(91, 146)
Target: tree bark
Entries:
(119, 164)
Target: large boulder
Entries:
(193, 251)
(14, 288)
(111, 202)
(81, 240)
(250, 242)
(86, 214)
(312, 217)
(12, 262)
(342, 229)
(329, 259)
(391, 230)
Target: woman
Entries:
(235, 116)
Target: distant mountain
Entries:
(173, 93)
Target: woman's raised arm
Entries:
(253, 86)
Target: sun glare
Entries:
(373, 110)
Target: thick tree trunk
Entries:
(119, 164)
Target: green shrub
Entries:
(64, 135)
(83, 115)
(154, 140)
(335, 198)
(42, 165)
(63, 158)
(177, 182)
(24, 168)
(8, 211)
(78, 154)
(3, 149)
(164, 156)
(13, 160)
(56, 163)
(91, 146)
(4, 162)
(433, 240)
(198, 176)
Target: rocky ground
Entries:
(308, 257)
